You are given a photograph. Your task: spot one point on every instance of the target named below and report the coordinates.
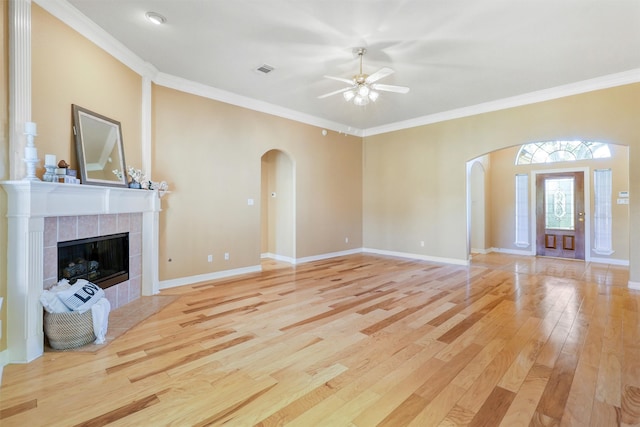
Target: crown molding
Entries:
(604, 82)
(189, 86)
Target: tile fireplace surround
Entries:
(39, 215)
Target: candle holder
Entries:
(50, 174)
(30, 152)
(60, 174)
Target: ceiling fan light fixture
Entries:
(155, 18)
(361, 100)
(362, 87)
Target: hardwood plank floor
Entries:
(361, 340)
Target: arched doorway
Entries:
(476, 181)
(502, 193)
(278, 206)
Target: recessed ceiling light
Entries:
(156, 18)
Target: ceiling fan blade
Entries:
(381, 73)
(390, 88)
(335, 92)
(341, 79)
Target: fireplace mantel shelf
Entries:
(29, 203)
(45, 199)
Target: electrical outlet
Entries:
(346, 240)
(226, 256)
(210, 258)
(422, 243)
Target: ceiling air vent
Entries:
(265, 69)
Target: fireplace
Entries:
(102, 260)
(40, 214)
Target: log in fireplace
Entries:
(101, 260)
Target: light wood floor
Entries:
(360, 341)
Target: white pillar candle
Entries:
(50, 160)
(30, 153)
(30, 128)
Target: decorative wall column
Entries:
(25, 259)
(19, 83)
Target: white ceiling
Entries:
(452, 54)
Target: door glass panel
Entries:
(558, 204)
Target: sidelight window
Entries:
(522, 210)
(602, 215)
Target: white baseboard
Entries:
(622, 262)
(277, 257)
(634, 285)
(454, 261)
(4, 360)
(327, 256)
(481, 251)
(191, 280)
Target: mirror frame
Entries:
(78, 114)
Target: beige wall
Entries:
(210, 153)
(502, 189)
(4, 162)
(69, 69)
(414, 179)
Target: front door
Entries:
(560, 215)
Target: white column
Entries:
(150, 245)
(19, 83)
(146, 126)
(25, 336)
(24, 278)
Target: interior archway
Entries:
(278, 206)
(501, 168)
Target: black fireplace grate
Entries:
(101, 260)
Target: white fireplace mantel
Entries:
(29, 203)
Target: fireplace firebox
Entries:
(101, 260)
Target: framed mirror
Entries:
(99, 148)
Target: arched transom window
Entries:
(561, 151)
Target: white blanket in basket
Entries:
(100, 313)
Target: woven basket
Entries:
(69, 330)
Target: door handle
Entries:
(581, 216)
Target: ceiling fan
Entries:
(362, 87)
